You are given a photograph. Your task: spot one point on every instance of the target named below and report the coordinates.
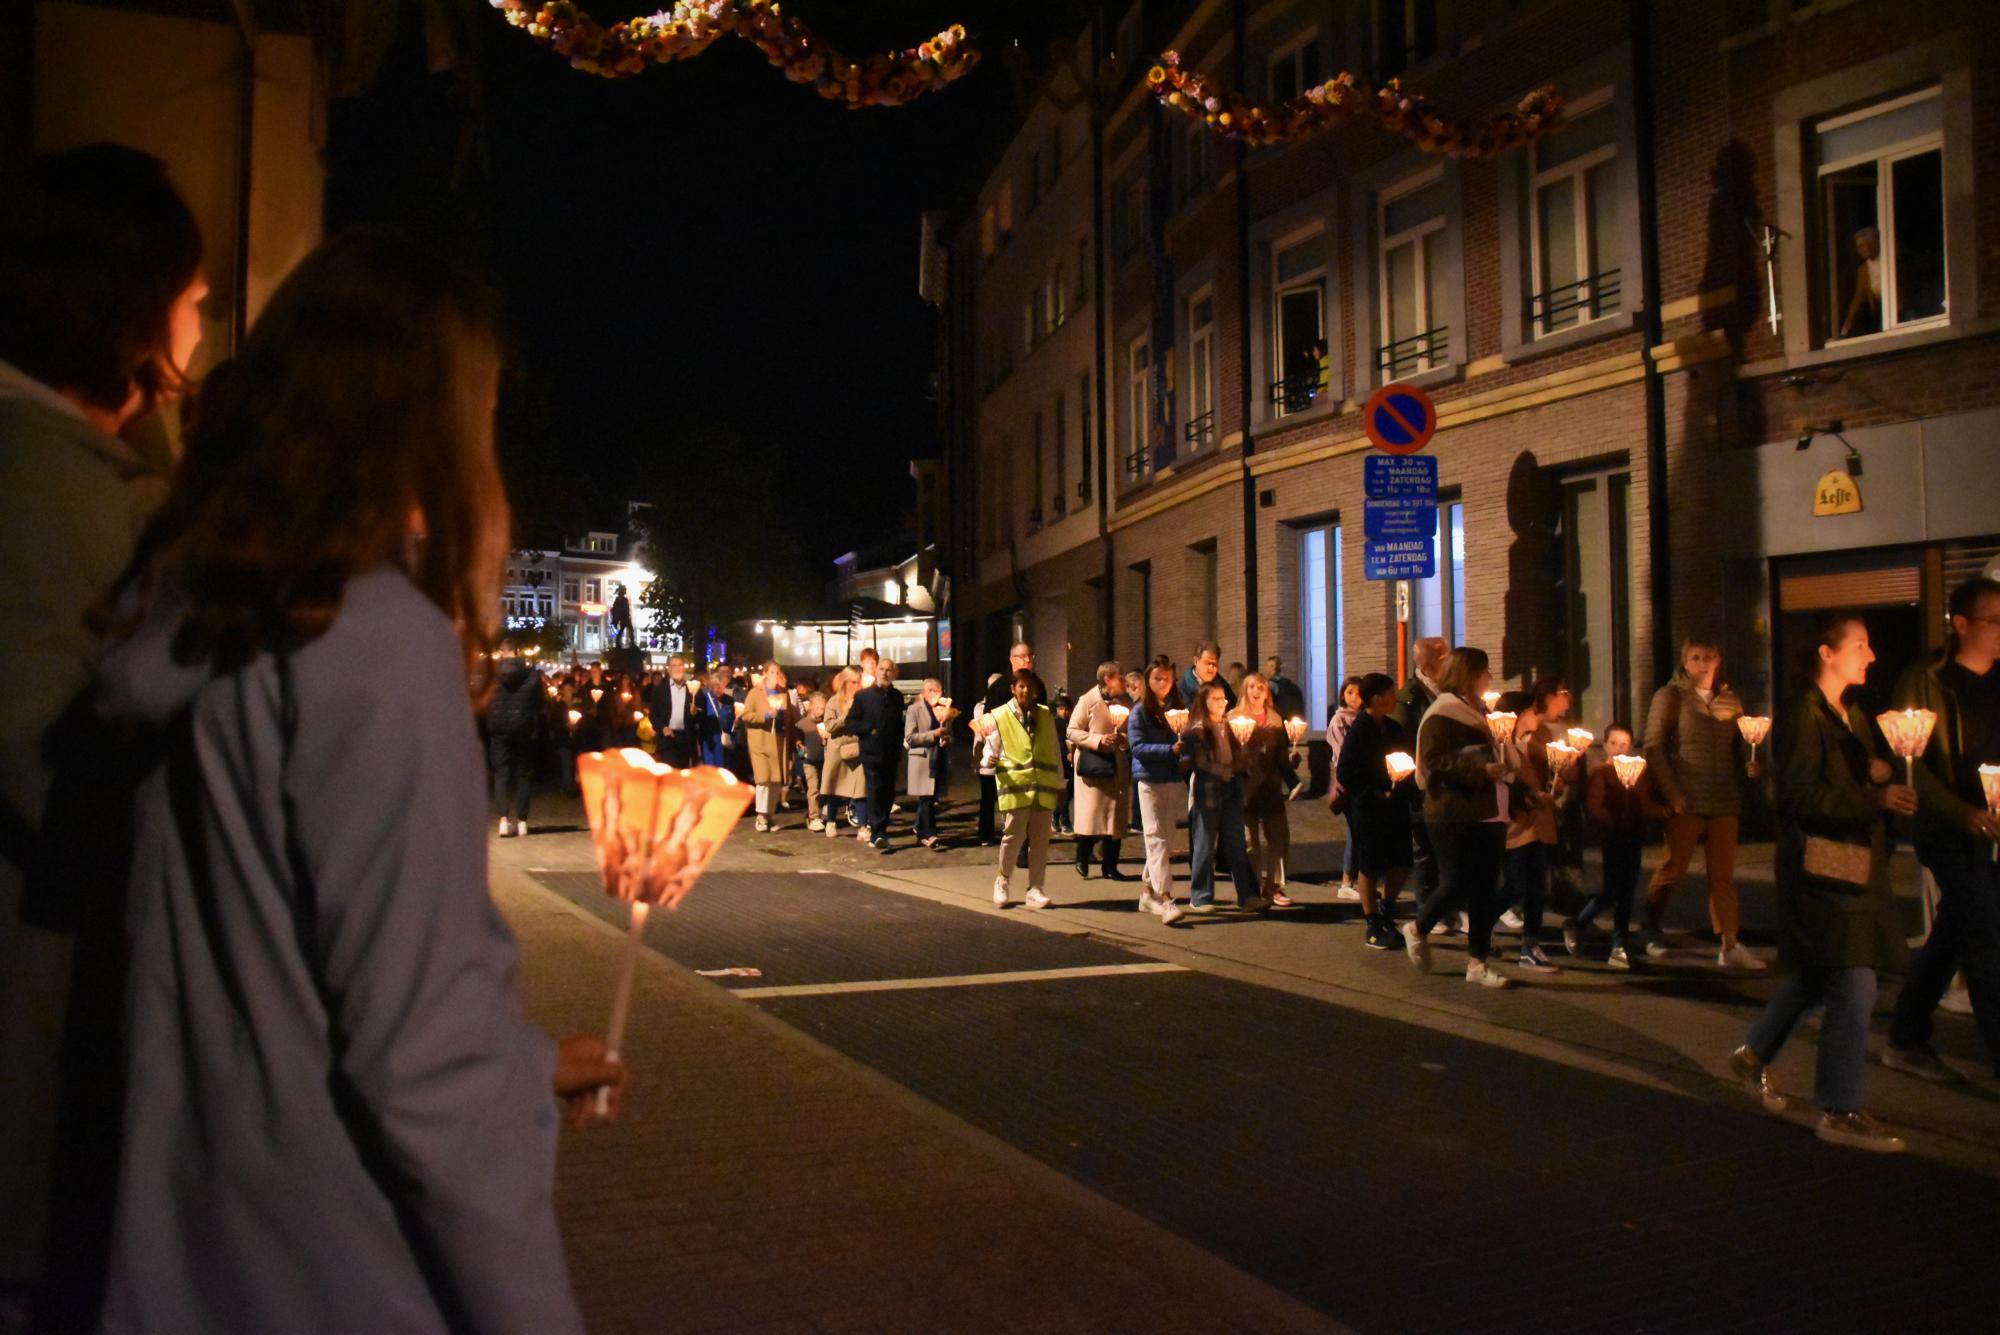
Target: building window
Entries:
(1138, 407)
(1411, 222)
(1201, 368)
(1574, 247)
(569, 591)
(1208, 583)
(1295, 67)
(1598, 594)
(1035, 504)
(590, 591)
(1197, 161)
(1881, 215)
(1082, 292)
(1061, 496)
(1298, 343)
(1437, 604)
(1323, 631)
(989, 236)
(1406, 32)
(1085, 447)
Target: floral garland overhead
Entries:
(1339, 100)
(886, 79)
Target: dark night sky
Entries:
(705, 262)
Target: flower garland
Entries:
(883, 80)
(1339, 100)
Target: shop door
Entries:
(1884, 589)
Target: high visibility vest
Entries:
(1029, 773)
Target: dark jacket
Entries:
(517, 712)
(660, 704)
(1618, 814)
(1362, 772)
(1220, 762)
(1154, 759)
(1287, 698)
(1824, 790)
(1412, 703)
(1693, 750)
(1454, 756)
(877, 720)
(1945, 803)
(1189, 686)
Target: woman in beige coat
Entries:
(1101, 806)
(766, 720)
(842, 780)
(1272, 755)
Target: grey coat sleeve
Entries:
(417, 969)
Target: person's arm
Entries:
(417, 970)
(1080, 733)
(1939, 809)
(1806, 793)
(1661, 719)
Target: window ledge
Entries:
(1874, 345)
(1319, 412)
(1624, 322)
(1437, 375)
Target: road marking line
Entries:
(955, 980)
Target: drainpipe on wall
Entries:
(1659, 549)
(1099, 362)
(1242, 61)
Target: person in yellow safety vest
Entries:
(1027, 769)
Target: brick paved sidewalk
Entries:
(762, 1182)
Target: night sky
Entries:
(703, 265)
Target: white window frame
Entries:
(1420, 237)
(590, 591)
(1315, 277)
(569, 591)
(1138, 405)
(1931, 141)
(1201, 368)
(1294, 53)
(1330, 647)
(1578, 168)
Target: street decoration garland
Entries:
(1344, 97)
(886, 79)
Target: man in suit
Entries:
(877, 719)
(675, 707)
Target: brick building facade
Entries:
(1620, 416)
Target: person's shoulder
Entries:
(387, 619)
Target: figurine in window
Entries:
(1864, 310)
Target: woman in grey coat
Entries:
(926, 733)
(335, 1117)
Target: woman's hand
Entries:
(1897, 798)
(1879, 770)
(1499, 771)
(1985, 825)
(581, 1070)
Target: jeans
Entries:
(1717, 837)
(927, 817)
(1347, 853)
(1964, 935)
(1423, 858)
(513, 775)
(1029, 827)
(1468, 858)
(1526, 875)
(1219, 831)
(1849, 998)
(1155, 806)
(881, 795)
(1621, 877)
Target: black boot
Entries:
(1111, 872)
(1083, 846)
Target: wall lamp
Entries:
(1811, 430)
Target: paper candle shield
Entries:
(1242, 726)
(1177, 719)
(1119, 713)
(1561, 755)
(1754, 727)
(1580, 738)
(1492, 700)
(1989, 778)
(1908, 730)
(1399, 765)
(1295, 730)
(1502, 725)
(656, 828)
(943, 705)
(575, 717)
(1628, 768)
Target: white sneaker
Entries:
(1512, 921)
(1347, 894)
(1738, 956)
(1485, 975)
(763, 824)
(861, 833)
(1657, 948)
(832, 829)
(1170, 912)
(1958, 1001)
(999, 894)
(1037, 900)
(815, 825)
(520, 827)
(506, 827)
(1416, 947)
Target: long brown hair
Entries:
(360, 406)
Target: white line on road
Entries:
(955, 980)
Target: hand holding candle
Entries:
(1400, 766)
(1989, 779)
(1754, 728)
(1295, 730)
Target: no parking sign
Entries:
(1399, 533)
(1400, 419)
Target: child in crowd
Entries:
(1618, 817)
(812, 755)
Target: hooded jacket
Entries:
(516, 712)
(335, 1116)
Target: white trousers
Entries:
(1162, 805)
(1033, 824)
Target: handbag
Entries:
(1844, 867)
(848, 749)
(1095, 764)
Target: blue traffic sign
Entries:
(1386, 475)
(1399, 518)
(1409, 558)
(1399, 419)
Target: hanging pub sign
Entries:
(1836, 494)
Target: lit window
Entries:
(1575, 232)
(1412, 221)
(1298, 269)
(1881, 201)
